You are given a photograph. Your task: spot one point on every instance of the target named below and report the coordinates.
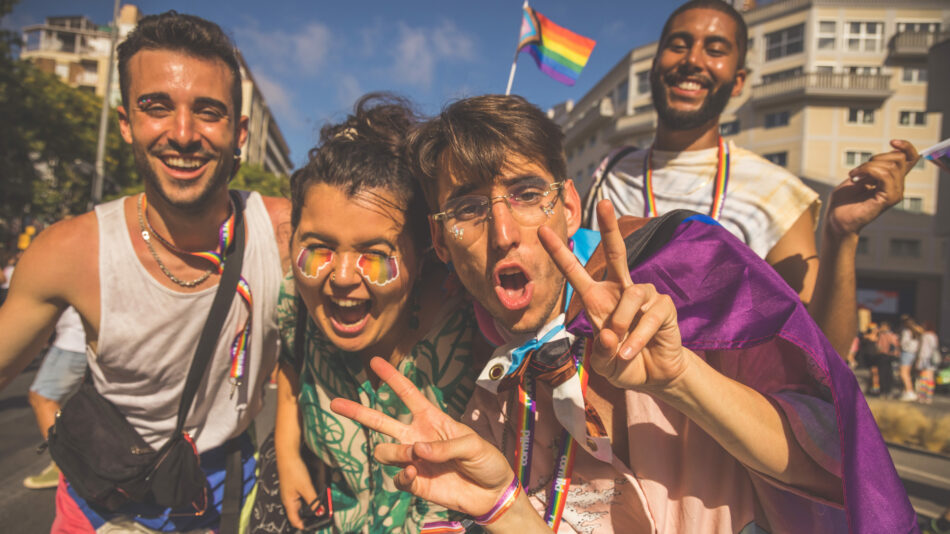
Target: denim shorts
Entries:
(60, 374)
(908, 358)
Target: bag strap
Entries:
(233, 481)
(300, 339)
(590, 201)
(227, 287)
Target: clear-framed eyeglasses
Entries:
(531, 204)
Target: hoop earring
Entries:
(333, 277)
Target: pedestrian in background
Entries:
(910, 345)
(928, 357)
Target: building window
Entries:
(778, 158)
(776, 120)
(827, 34)
(620, 95)
(590, 169)
(643, 82)
(825, 69)
(864, 36)
(781, 75)
(860, 116)
(921, 27)
(914, 75)
(905, 248)
(913, 118)
(853, 158)
(729, 128)
(784, 42)
(863, 247)
(592, 141)
(911, 204)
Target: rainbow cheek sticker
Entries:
(312, 261)
(378, 270)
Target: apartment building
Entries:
(77, 50)
(830, 83)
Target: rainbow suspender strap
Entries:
(719, 190)
(217, 258)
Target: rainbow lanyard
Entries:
(561, 481)
(216, 257)
(719, 191)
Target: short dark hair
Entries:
(367, 151)
(742, 30)
(189, 34)
(476, 136)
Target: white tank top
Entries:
(148, 334)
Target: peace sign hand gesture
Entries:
(444, 461)
(637, 339)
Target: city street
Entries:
(926, 475)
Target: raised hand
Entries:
(871, 189)
(637, 342)
(445, 462)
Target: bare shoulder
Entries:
(279, 211)
(63, 256)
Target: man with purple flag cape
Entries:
(715, 403)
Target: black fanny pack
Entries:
(105, 459)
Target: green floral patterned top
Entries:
(365, 498)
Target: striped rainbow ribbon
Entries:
(719, 189)
(217, 257)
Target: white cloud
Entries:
(419, 51)
(279, 100)
(304, 51)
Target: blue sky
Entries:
(313, 59)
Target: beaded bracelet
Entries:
(504, 503)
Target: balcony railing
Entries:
(825, 85)
(910, 44)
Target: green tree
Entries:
(48, 141)
(255, 178)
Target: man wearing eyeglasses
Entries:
(680, 400)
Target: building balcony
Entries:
(829, 85)
(592, 119)
(632, 126)
(914, 44)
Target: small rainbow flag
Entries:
(559, 52)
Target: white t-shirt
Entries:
(69, 333)
(762, 200)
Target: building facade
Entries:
(77, 51)
(830, 83)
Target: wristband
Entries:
(504, 503)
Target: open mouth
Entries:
(348, 316)
(185, 166)
(687, 85)
(513, 287)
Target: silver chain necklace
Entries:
(147, 237)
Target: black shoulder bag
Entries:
(105, 459)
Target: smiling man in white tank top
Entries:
(699, 66)
(130, 269)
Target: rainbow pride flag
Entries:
(558, 52)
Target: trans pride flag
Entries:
(559, 52)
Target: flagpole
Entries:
(514, 62)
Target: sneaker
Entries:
(908, 396)
(48, 478)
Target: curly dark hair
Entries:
(188, 34)
(367, 151)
